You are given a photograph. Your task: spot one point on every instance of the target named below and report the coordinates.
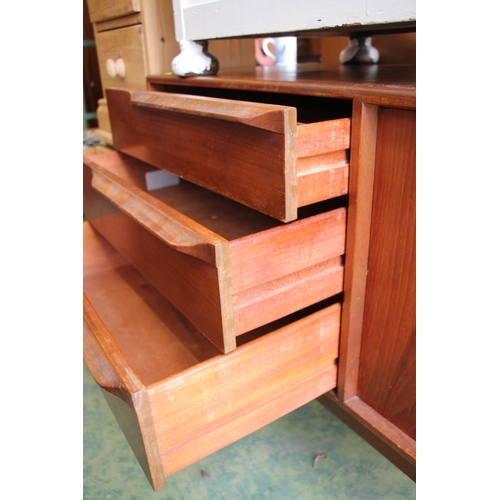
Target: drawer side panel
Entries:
(268, 302)
(224, 389)
(281, 251)
(252, 420)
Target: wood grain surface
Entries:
(107, 9)
(388, 85)
(175, 397)
(388, 353)
(248, 164)
(233, 394)
(267, 271)
(249, 152)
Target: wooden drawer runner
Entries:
(175, 396)
(227, 268)
(253, 153)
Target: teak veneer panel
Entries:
(176, 399)
(226, 267)
(376, 386)
(388, 353)
(386, 85)
(249, 152)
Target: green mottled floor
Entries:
(275, 462)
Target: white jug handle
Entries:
(265, 47)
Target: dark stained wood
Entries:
(387, 362)
(246, 151)
(379, 432)
(376, 386)
(390, 85)
(248, 164)
(264, 116)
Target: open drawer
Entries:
(227, 268)
(254, 153)
(176, 398)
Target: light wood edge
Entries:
(173, 228)
(384, 436)
(361, 178)
(290, 173)
(224, 279)
(154, 466)
(264, 116)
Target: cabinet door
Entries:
(376, 389)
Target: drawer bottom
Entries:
(176, 398)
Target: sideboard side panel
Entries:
(386, 379)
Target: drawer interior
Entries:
(157, 340)
(175, 396)
(228, 268)
(310, 109)
(223, 216)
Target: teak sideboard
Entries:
(278, 268)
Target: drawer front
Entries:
(176, 399)
(253, 153)
(250, 272)
(101, 10)
(122, 58)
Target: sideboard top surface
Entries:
(393, 85)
